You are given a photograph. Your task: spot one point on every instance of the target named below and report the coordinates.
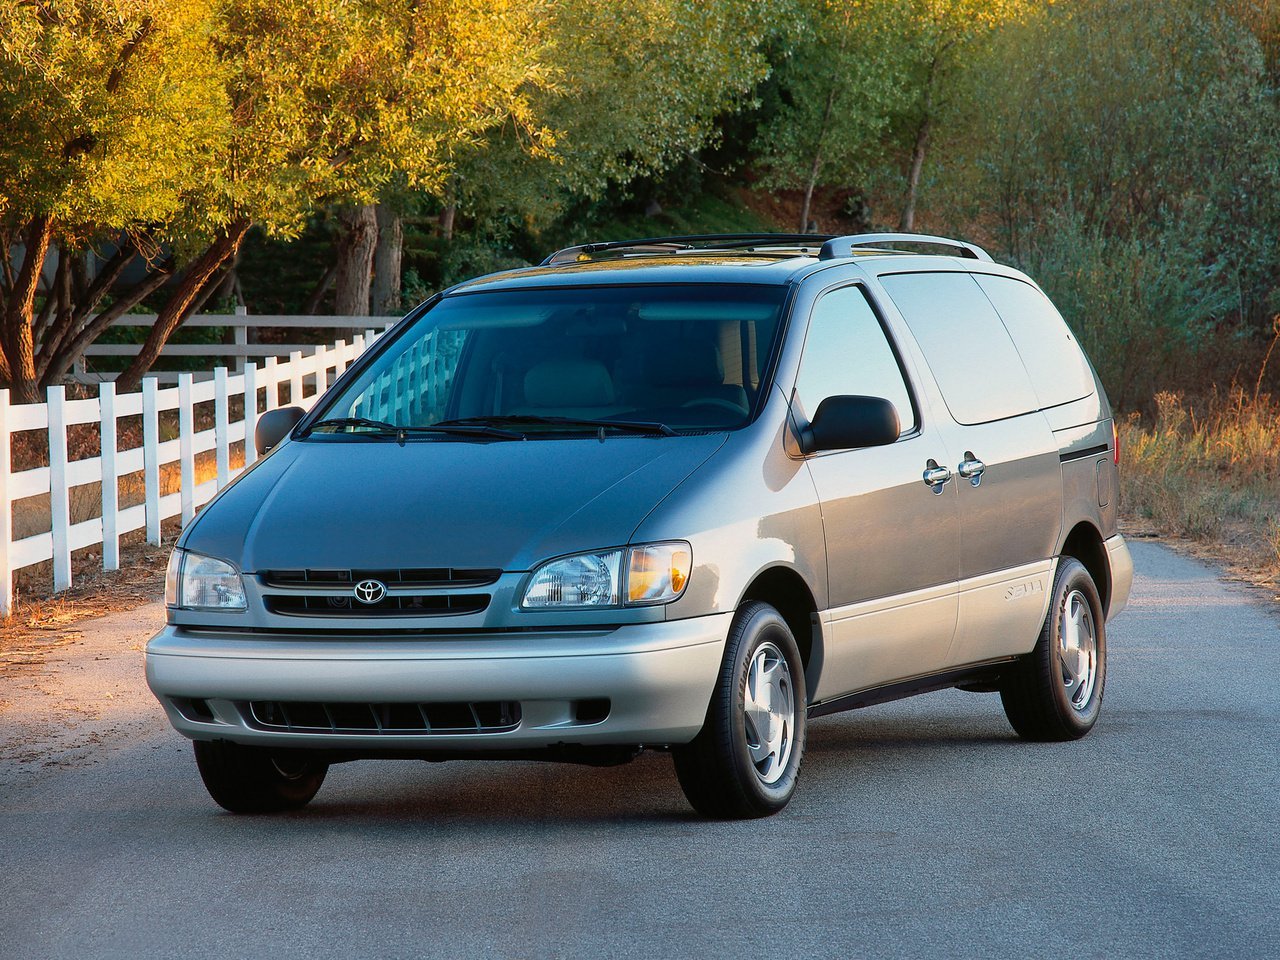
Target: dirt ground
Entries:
(40, 625)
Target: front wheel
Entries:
(1055, 691)
(745, 761)
(257, 780)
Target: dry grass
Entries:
(1209, 473)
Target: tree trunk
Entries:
(386, 262)
(907, 221)
(69, 348)
(86, 295)
(18, 365)
(815, 169)
(447, 217)
(180, 304)
(355, 261)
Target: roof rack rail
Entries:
(710, 241)
(844, 246)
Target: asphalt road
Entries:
(921, 828)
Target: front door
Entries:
(891, 539)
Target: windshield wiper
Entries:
(633, 426)
(382, 428)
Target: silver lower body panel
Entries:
(1121, 564)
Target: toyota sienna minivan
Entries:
(679, 494)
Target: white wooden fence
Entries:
(258, 385)
(241, 324)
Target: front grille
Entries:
(429, 605)
(399, 577)
(411, 591)
(489, 716)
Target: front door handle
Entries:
(936, 477)
(971, 468)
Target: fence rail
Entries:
(307, 376)
(241, 324)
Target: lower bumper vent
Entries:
(490, 716)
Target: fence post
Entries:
(250, 412)
(59, 499)
(295, 378)
(151, 457)
(6, 515)
(271, 380)
(241, 335)
(221, 442)
(186, 449)
(341, 357)
(110, 480)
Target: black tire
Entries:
(257, 780)
(717, 770)
(1048, 696)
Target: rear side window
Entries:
(846, 353)
(1059, 371)
(967, 347)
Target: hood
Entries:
(376, 504)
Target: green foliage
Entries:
(637, 90)
(838, 82)
(110, 110)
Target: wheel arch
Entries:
(784, 589)
(1085, 544)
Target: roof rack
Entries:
(717, 241)
(844, 246)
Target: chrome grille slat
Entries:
(302, 717)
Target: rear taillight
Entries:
(1115, 442)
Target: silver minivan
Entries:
(682, 494)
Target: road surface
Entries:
(921, 828)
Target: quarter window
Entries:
(846, 353)
(1059, 371)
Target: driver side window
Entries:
(846, 352)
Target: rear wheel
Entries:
(1055, 692)
(746, 760)
(257, 780)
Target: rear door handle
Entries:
(936, 477)
(971, 468)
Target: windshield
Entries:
(659, 358)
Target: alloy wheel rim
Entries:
(1078, 650)
(769, 713)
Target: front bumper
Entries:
(656, 677)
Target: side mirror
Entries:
(844, 422)
(274, 426)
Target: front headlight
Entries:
(650, 573)
(202, 583)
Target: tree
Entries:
(110, 109)
(1137, 175)
(935, 41)
(835, 89)
(636, 89)
(278, 107)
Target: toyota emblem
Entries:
(370, 591)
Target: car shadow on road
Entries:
(497, 795)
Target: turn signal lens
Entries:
(171, 578)
(658, 572)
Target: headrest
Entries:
(687, 363)
(568, 383)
